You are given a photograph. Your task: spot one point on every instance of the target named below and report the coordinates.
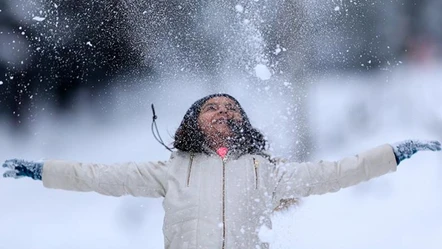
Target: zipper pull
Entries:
(189, 170)
(255, 163)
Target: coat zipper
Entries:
(255, 166)
(224, 203)
(189, 171)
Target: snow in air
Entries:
(239, 8)
(262, 72)
(380, 207)
(38, 18)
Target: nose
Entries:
(222, 109)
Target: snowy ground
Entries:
(349, 114)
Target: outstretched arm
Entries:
(295, 180)
(145, 179)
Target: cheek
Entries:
(204, 122)
(237, 116)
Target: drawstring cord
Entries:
(154, 129)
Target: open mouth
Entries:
(220, 121)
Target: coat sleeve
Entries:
(143, 179)
(303, 179)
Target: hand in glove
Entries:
(21, 168)
(405, 149)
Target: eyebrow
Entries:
(208, 104)
(228, 105)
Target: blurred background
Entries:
(322, 79)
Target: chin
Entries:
(224, 133)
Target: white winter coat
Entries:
(212, 203)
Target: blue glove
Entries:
(21, 168)
(405, 149)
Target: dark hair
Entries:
(190, 138)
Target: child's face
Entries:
(215, 115)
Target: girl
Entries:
(219, 186)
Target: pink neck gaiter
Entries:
(222, 152)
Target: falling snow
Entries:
(244, 49)
(262, 72)
(38, 18)
(239, 8)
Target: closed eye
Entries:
(232, 108)
(210, 107)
